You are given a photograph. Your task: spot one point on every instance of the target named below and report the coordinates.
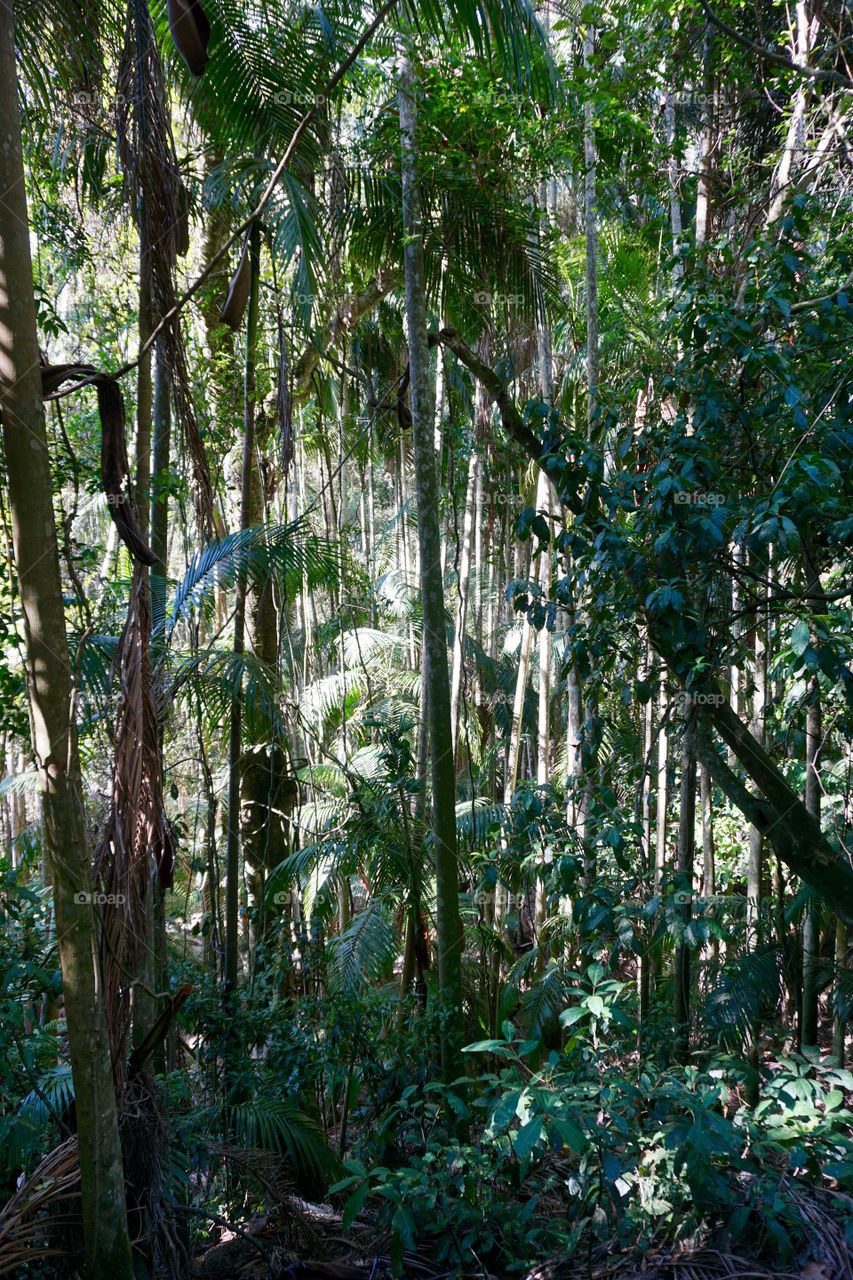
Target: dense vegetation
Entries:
(425, 645)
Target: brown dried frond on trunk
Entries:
(45, 1203)
(154, 189)
(144, 1151)
(137, 833)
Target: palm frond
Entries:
(276, 1124)
(361, 954)
(749, 990)
(256, 552)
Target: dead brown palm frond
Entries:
(137, 833)
(49, 1199)
(154, 192)
(826, 1253)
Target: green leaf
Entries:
(800, 638)
(527, 1137)
(568, 1132)
(485, 1046)
(505, 1111)
(354, 1205)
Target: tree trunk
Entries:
(448, 920)
(49, 678)
(591, 228)
(661, 805)
(706, 795)
(543, 757)
(686, 846)
(794, 150)
(464, 580)
(703, 177)
(162, 445)
(811, 920)
(839, 1024)
(756, 861)
(232, 872)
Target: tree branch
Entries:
(343, 320)
(773, 55)
(240, 231)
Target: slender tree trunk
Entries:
(143, 1011)
(793, 154)
(703, 178)
(839, 1024)
(756, 860)
(436, 675)
(49, 678)
(685, 853)
(464, 580)
(674, 188)
(811, 920)
(162, 446)
(706, 796)
(232, 871)
(661, 804)
(591, 228)
(543, 757)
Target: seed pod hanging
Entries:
(182, 230)
(115, 469)
(234, 305)
(191, 33)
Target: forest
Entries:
(426, 647)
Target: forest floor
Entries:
(302, 1241)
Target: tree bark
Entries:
(811, 919)
(436, 675)
(232, 857)
(685, 856)
(591, 230)
(50, 685)
(463, 590)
